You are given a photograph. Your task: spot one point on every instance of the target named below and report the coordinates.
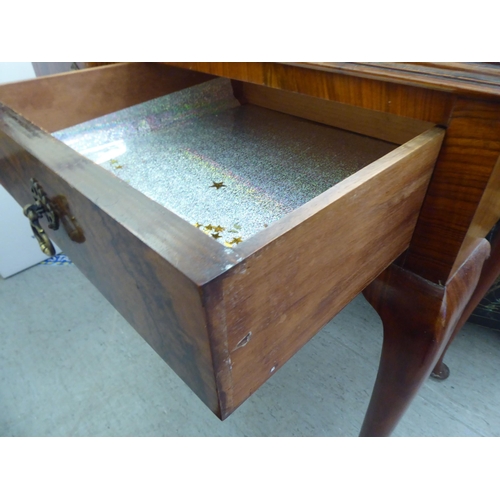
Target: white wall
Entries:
(18, 247)
(14, 71)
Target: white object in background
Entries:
(18, 247)
(14, 71)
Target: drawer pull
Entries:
(37, 210)
(55, 211)
(34, 212)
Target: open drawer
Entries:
(226, 284)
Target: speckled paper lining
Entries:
(229, 169)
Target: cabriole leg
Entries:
(489, 273)
(418, 318)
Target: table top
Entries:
(463, 78)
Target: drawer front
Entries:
(127, 254)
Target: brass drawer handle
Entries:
(55, 210)
(33, 213)
(37, 210)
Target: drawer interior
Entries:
(230, 169)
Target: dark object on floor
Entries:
(487, 312)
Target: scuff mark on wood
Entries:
(243, 342)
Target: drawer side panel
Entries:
(59, 101)
(268, 306)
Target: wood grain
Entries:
(145, 260)
(59, 101)
(478, 80)
(384, 126)
(418, 318)
(365, 92)
(298, 273)
(470, 151)
(486, 216)
(198, 257)
(471, 71)
(489, 273)
(465, 165)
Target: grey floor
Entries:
(71, 366)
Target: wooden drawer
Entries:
(225, 319)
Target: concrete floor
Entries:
(71, 366)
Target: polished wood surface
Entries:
(146, 272)
(418, 319)
(413, 102)
(487, 213)
(305, 268)
(385, 126)
(489, 273)
(477, 80)
(59, 101)
(466, 163)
